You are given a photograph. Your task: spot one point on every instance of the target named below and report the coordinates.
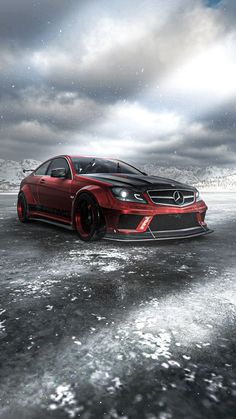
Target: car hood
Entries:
(139, 182)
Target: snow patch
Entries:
(65, 398)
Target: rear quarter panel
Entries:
(29, 188)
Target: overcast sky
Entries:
(143, 80)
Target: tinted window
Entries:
(42, 170)
(60, 163)
(92, 165)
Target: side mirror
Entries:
(59, 173)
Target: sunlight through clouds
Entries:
(211, 73)
(135, 79)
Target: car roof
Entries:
(92, 157)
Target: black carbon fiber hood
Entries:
(139, 182)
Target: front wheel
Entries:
(22, 208)
(89, 220)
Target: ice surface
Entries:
(117, 330)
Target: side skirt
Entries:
(55, 223)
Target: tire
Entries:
(88, 218)
(22, 208)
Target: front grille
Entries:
(166, 222)
(172, 197)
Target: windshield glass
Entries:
(90, 165)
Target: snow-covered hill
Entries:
(11, 173)
(221, 184)
(206, 179)
(211, 178)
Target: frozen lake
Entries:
(117, 330)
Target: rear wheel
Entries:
(89, 220)
(22, 208)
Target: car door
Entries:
(35, 178)
(55, 193)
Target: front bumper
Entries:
(159, 223)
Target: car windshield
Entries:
(91, 165)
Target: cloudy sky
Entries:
(143, 80)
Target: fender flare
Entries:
(28, 195)
(98, 195)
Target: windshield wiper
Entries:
(118, 167)
(90, 164)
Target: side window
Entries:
(60, 163)
(42, 170)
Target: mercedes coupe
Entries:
(108, 198)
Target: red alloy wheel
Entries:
(22, 208)
(88, 220)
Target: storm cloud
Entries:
(150, 81)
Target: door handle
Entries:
(42, 181)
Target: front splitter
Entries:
(161, 235)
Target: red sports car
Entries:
(100, 197)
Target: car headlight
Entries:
(124, 194)
(198, 196)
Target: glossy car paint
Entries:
(53, 200)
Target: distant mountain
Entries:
(225, 183)
(11, 173)
(211, 178)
